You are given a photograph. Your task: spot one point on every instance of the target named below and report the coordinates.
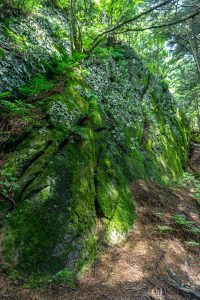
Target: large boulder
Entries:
(114, 123)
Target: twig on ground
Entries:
(170, 271)
(178, 285)
(185, 290)
(153, 284)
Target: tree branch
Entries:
(99, 37)
(161, 25)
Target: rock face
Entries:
(30, 44)
(111, 123)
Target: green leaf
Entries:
(5, 94)
(195, 230)
(5, 183)
(192, 244)
(164, 228)
(181, 220)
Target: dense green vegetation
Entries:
(86, 110)
(165, 34)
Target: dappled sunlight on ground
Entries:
(130, 270)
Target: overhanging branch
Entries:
(160, 25)
(101, 36)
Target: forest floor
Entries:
(158, 258)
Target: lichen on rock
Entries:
(30, 44)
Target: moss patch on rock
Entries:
(74, 174)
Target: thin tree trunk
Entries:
(75, 32)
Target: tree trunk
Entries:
(75, 32)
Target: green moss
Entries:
(76, 172)
(2, 53)
(65, 277)
(52, 209)
(19, 40)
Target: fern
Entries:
(15, 108)
(194, 230)
(36, 85)
(197, 196)
(192, 244)
(5, 95)
(181, 220)
(164, 228)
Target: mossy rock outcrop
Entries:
(30, 44)
(113, 125)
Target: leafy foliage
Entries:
(181, 220)
(195, 230)
(63, 4)
(164, 228)
(65, 64)
(15, 108)
(189, 181)
(192, 244)
(65, 277)
(19, 6)
(36, 85)
(8, 186)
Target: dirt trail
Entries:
(135, 269)
(195, 156)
